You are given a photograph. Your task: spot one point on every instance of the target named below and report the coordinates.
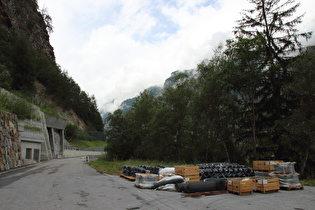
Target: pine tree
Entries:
(274, 21)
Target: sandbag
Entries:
(169, 180)
(167, 171)
(146, 181)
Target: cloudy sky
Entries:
(114, 49)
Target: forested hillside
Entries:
(27, 63)
(254, 99)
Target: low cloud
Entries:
(114, 48)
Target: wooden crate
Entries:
(186, 170)
(265, 165)
(266, 184)
(191, 178)
(189, 173)
(240, 186)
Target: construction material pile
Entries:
(216, 178)
(224, 170)
(206, 170)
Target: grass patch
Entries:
(308, 182)
(33, 128)
(87, 144)
(115, 167)
(49, 110)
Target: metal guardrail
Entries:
(96, 149)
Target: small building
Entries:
(41, 140)
(31, 137)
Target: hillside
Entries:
(27, 65)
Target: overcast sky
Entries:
(114, 49)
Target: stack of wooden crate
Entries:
(188, 172)
(240, 186)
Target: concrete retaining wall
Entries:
(79, 153)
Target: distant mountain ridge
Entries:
(126, 105)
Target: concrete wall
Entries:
(31, 140)
(10, 148)
(29, 145)
(80, 153)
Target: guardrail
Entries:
(96, 149)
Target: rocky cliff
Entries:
(23, 18)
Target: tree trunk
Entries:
(254, 127)
(304, 160)
(226, 151)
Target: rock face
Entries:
(10, 147)
(23, 18)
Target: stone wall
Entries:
(10, 147)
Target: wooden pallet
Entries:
(267, 191)
(199, 194)
(298, 187)
(130, 178)
(241, 193)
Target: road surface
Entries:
(73, 184)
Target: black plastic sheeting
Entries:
(224, 170)
(128, 170)
(205, 186)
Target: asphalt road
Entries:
(73, 184)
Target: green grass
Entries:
(33, 128)
(87, 144)
(307, 182)
(115, 167)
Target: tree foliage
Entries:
(252, 100)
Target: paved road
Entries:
(72, 184)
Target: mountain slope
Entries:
(27, 65)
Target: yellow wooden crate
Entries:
(265, 165)
(191, 178)
(266, 184)
(240, 186)
(188, 172)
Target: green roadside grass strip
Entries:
(87, 144)
(115, 167)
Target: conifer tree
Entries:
(274, 20)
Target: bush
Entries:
(19, 107)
